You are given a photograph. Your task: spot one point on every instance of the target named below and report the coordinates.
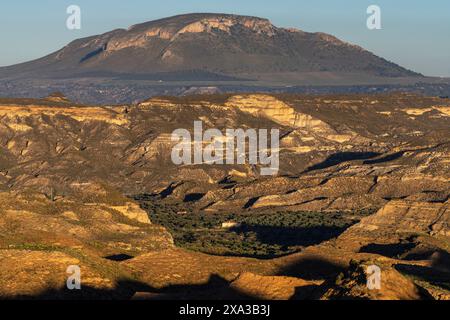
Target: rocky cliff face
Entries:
(170, 29)
(277, 111)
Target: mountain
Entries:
(205, 46)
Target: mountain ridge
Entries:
(222, 44)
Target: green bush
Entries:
(263, 235)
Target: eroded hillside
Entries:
(68, 174)
(337, 153)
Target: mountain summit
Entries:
(221, 46)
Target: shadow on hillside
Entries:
(119, 257)
(123, 290)
(193, 197)
(216, 288)
(392, 250)
(341, 157)
(251, 202)
(312, 268)
(431, 275)
(390, 157)
(441, 260)
(310, 292)
(291, 236)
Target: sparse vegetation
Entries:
(262, 235)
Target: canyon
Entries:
(84, 184)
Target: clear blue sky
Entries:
(415, 34)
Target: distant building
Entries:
(230, 224)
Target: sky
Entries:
(414, 34)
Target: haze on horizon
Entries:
(413, 34)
